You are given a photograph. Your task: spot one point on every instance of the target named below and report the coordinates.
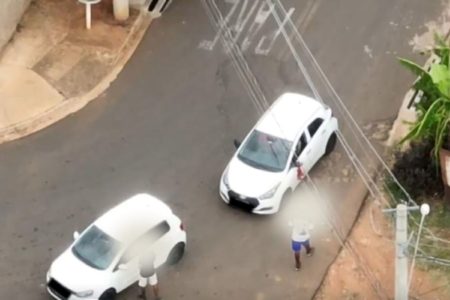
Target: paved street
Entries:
(166, 127)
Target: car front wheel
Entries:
(109, 294)
(176, 254)
(331, 144)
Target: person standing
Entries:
(147, 275)
(300, 237)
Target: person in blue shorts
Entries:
(300, 238)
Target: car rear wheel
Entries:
(331, 144)
(108, 295)
(176, 254)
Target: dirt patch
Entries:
(365, 267)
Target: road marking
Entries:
(238, 17)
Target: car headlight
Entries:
(269, 193)
(225, 179)
(84, 293)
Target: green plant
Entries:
(434, 108)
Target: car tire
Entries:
(331, 144)
(109, 294)
(176, 254)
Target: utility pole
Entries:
(401, 259)
(401, 247)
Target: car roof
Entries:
(133, 217)
(287, 115)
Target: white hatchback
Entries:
(102, 261)
(296, 130)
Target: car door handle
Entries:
(309, 151)
(323, 132)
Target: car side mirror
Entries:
(236, 143)
(76, 235)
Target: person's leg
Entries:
(298, 264)
(142, 285)
(296, 247)
(155, 287)
(309, 249)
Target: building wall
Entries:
(11, 12)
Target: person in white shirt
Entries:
(300, 237)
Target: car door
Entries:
(316, 140)
(306, 157)
(160, 234)
(126, 270)
(298, 154)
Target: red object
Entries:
(182, 226)
(300, 172)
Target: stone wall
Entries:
(11, 12)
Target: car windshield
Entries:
(96, 248)
(266, 152)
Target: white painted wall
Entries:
(11, 12)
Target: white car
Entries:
(295, 130)
(102, 261)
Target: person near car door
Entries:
(300, 171)
(300, 238)
(147, 275)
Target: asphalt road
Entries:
(166, 127)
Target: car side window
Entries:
(146, 240)
(301, 145)
(312, 128)
(158, 231)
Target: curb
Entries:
(359, 191)
(72, 105)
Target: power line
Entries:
(253, 88)
(339, 103)
(251, 84)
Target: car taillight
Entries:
(182, 226)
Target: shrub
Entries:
(417, 172)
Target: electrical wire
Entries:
(339, 103)
(244, 70)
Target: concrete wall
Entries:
(136, 3)
(11, 12)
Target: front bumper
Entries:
(71, 296)
(253, 205)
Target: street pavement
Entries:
(166, 127)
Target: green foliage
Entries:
(434, 108)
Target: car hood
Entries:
(249, 181)
(74, 274)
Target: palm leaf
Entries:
(413, 67)
(424, 122)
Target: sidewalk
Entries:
(53, 66)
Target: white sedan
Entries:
(295, 132)
(102, 261)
